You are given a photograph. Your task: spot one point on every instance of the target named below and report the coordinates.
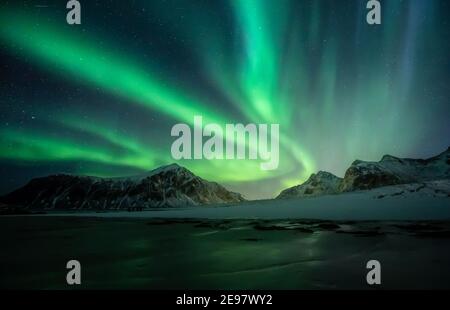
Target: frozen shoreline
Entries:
(118, 253)
(351, 206)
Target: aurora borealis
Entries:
(100, 98)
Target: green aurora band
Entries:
(270, 77)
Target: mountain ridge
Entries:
(167, 186)
(175, 186)
(366, 175)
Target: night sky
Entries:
(101, 98)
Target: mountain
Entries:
(167, 186)
(363, 175)
(322, 183)
(391, 170)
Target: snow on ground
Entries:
(401, 202)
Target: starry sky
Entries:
(101, 98)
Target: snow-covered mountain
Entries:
(322, 183)
(391, 170)
(363, 175)
(167, 186)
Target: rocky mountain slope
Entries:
(168, 186)
(322, 183)
(362, 175)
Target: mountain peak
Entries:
(167, 186)
(169, 167)
(324, 174)
(320, 183)
(365, 175)
(388, 157)
(391, 170)
(175, 168)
